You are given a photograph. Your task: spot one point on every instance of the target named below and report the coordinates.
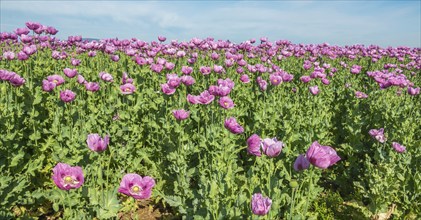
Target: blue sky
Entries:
(384, 23)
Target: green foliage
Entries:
(202, 171)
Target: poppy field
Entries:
(207, 129)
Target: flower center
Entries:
(127, 90)
(68, 179)
(226, 104)
(135, 189)
(55, 81)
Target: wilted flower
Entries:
(181, 114)
(321, 156)
(398, 147)
(254, 144)
(314, 90)
(70, 72)
(226, 102)
(260, 205)
(67, 95)
(378, 134)
(67, 177)
(272, 147)
(96, 143)
(134, 185)
(301, 163)
(232, 125)
(127, 88)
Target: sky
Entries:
(383, 23)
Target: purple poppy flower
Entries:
(48, 86)
(314, 90)
(260, 205)
(167, 89)
(20, 31)
(398, 147)
(301, 163)
(96, 143)
(218, 69)
(254, 144)
(205, 70)
(272, 147)
(157, 68)
(33, 25)
(70, 72)
(325, 81)
(188, 80)
(92, 86)
(57, 79)
(127, 88)
(413, 91)
(75, 62)
(67, 95)
(321, 156)
(137, 187)
(275, 79)
(16, 80)
(262, 83)
(360, 95)
(378, 134)
(162, 38)
(67, 177)
(81, 79)
(226, 102)
(114, 58)
(52, 30)
(169, 65)
(205, 97)
(245, 78)
(193, 99)
(186, 70)
(9, 55)
(22, 56)
(92, 53)
(173, 80)
(305, 79)
(232, 125)
(355, 69)
(106, 77)
(181, 114)
(125, 79)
